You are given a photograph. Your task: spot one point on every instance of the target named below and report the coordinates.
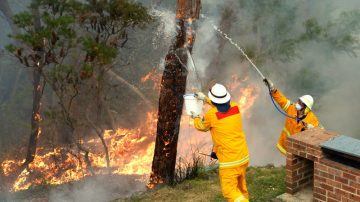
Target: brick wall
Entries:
(336, 182)
(307, 165)
(299, 173)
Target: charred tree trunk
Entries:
(35, 118)
(186, 9)
(38, 90)
(173, 86)
(37, 95)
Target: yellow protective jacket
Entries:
(292, 126)
(227, 135)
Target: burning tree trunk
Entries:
(38, 88)
(173, 86)
(37, 94)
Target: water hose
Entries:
(254, 66)
(279, 110)
(257, 70)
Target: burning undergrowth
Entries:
(130, 150)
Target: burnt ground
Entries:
(97, 188)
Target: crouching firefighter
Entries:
(299, 115)
(225, 125)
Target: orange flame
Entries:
(153, 76)
(130, 150)
(248, 97)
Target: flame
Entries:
(248, 97)
(130, 150)
(153, 76)
(245, 96)
(130, 153)
(37, 117)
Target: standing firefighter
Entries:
(302, 116)
(225, 125)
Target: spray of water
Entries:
(223, 34)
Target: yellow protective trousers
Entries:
(233, 183)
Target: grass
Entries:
(264, 184)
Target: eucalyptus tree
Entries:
(69, 46)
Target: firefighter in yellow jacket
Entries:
(303, 119)
(225, 125)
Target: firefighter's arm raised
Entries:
(281, 99)
(278, 96)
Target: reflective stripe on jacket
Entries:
(227, 135)
(291, 126)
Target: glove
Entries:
(213, 155)
(269, 84)
(194, 115)
(308, 126)
(200, 96)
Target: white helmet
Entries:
(307, 100)
(218, 94)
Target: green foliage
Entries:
(130, 13)
(11, 48)
(60, 17)
(313, 31)
(75, 41)
(62, 25)
(100, 51)
(340, 35)
(62, 73)
(23, 19)
(349, 21)
(51, 24)
(280, 37)
(288, 49)
(59, 34)
(272, 24)
(346, 30)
